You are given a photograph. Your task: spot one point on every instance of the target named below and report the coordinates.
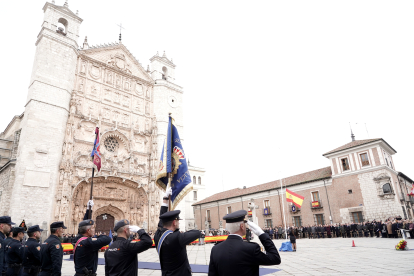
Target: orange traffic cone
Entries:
(353, 244)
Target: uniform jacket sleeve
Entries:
(212, 266)
(106, 264)
(32, 248)
(163, 210)
(86, 216)
(188, 237)
(271, 257)
(2, 250)
(97, 243)
(56, 258)
(144, 244)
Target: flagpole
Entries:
(90, 198)
(169, 175)
(283, 205)
(93, 172)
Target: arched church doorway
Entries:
(104, 223)
(117, 198)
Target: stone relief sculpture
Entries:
(126, 173)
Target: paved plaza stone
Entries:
(371, 256)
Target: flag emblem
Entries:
(174, 163)
(179, 152)
(294, 198)
(96, 152)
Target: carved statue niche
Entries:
(147, 125)
(127, 85)
(138, 88)
(109, 77)
(81, 85)
(147, 108)
(118, 81)
(83, 68)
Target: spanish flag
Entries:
(294, 198)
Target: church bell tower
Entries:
(168, 98)
(45, 116)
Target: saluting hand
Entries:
(134, 228)
(255, 228)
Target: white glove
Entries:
(134, 228)
(90, 203)
(168, 192)
(255, 228)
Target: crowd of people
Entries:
(390, 228)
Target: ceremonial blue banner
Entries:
(173, 161)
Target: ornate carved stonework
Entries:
(108, 96)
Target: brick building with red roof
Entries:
(361, 184)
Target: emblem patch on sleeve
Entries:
(57, 246)
(38, 248)
(94, 239)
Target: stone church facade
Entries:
(45, 165)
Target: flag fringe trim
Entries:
(159, 182)
(182, 194)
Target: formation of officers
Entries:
(231, 257)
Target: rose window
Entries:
(111, 144)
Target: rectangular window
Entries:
(268, 223)
(267, 203)
(345, 164)
(208, 215)
(229, 210)
(297, 221)
(357, 217)
(319, 219)
(195, 195)
(315, 196)
(364, 159)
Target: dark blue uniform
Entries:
(14, 258)
(235, 257)
(32, 259)
(173, 258)
(86, 253)
(3, 266)
(121, 257)
(52, 255)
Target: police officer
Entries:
(170, 243)
(15, 252)
(235, 257)
(31, 261)
(85, 252)
(52, 251)
(121, 257)
(5, 228)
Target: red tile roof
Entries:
(289, 181)
(353, 144)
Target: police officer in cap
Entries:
(5, 229)
(52, 251)
(121, 257)
(235, 257)
(15, 252)
(85, 252)
(31, 261)
(171, 244)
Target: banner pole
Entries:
(283, 205)
(93, 172)
(169, 175)
(90, 198)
